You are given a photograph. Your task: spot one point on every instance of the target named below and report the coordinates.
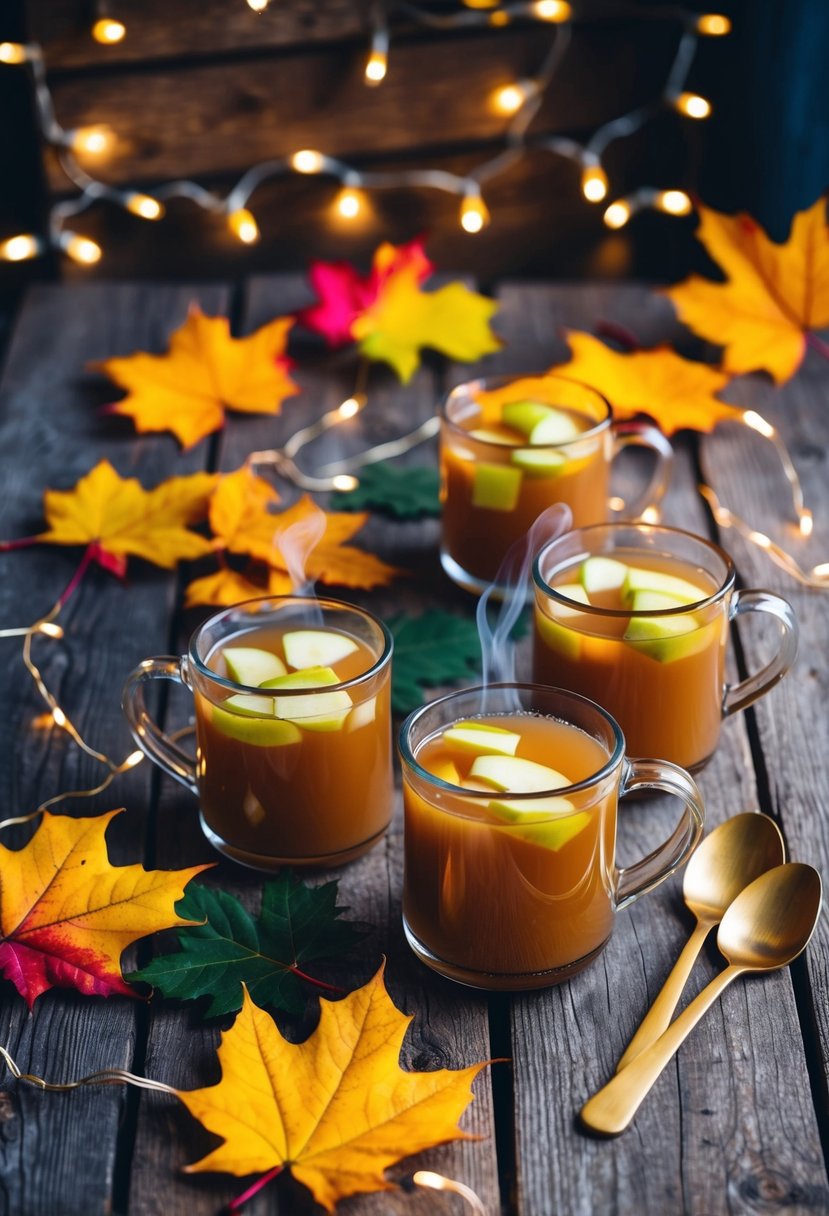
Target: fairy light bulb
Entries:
(509, 98)
(376, 67)
(108, 31)
(552, 10)
(132, 759)
(50, 629)
(806, 522)
(143, 206)
(242, 224)
(349, 203)
(714, 25)
(20, 248)
(692, 105)
(258, 6)
(617, 214)
(13, 52)
(674, 202)
(90, 140)
(349, 408)
(594, 183)
(58, 716)
(307, 160)
(474, 213)
(344, 482)
(80, 249)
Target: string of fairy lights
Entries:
(517, 102)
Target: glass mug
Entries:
(298, 776)
(519, 891)
(498, 472)
(644, 648)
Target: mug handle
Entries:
(635, 433)
(147, 734)
(738, 696)
(633, 881)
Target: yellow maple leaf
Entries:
(774, 294)
(226, 587)
(242, 514)
(337, 1110)
(677, 393)
(330, 560)
(66, 914)
(403, 319)
(205, 371)
(120, 518)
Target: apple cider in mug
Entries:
(298, 766)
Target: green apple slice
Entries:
(495, 486)
(249, 705)
(479, 738)
(573, 591)
(252, 666)
(519, 811)
(638, 579)
(551, 834)
(524, 416)
(306, 648)
(602, 574)
(496, 434)
(665, 638)
(539, 464)
(363, 714)
(516, 775)
(265, 731)
(319, 711)
(556, 427)
(565, 639)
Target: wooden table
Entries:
(737, 1124)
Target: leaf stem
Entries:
(239, 1202)
(72, 585)
(303, 975)
(817, 344)
(23, 542)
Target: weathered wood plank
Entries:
(58, 1152)
(719, 1122)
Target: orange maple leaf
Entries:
(337, 1110)
(120, 518)
(226, 587)
(677, 393)
(205, 372)
(774, 296)
(66, 914)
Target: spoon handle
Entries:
(611, 1109)
(658, 1018)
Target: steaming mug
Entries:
(509, 448)
(508, 890)
(292, 774)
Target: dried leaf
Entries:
(405, 493)
(121, 518)
(226, 947)
(337, 1110)
(66, 914)
(677, 393)
(205, 372)
(434, 648)
(774, 294)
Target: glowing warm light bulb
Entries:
(92, 140)
(758, 423)
(19, 248)
(617, 214)
(144, 206)
(80, 248)
(108, 31)
(376, 67)
(807, 522)
(474, 213)
(499, 18)
(258, 6)
(58, 716)
(552, 10)
(692, 105)
(50, 629)
(349, 407)
(349, 203)
(344, 482)
(713, 24)
(511, 97)
(243, 225)
(594, 183)
(132, 759)
(307, 161)
(675, 202)
(13, 52)
(650, 515)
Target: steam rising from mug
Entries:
(511, 582)
(295, 542)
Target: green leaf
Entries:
(435, 648)
(228, 947)
(405, 493)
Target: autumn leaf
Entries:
(120, 518)
(226, 947)
(434, 648)
(774, 295)
(66, 914)
(337, 1110)
(677, 393)
(205, 372)
(405, 493)
(224, 588)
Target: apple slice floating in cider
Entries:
(516, 775)
(240, 719)
(602, 574)
(306, 648)
(495, 486)
(317, 711)
(480, 738)
(252, 666)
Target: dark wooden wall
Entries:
(205, 89)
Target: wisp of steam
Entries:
(294, 543)
(497, 647)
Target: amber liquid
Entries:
(321, 799)
(476, 537)
(667, 708)
(483, 902)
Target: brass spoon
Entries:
(732, 856)
(766, 927)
